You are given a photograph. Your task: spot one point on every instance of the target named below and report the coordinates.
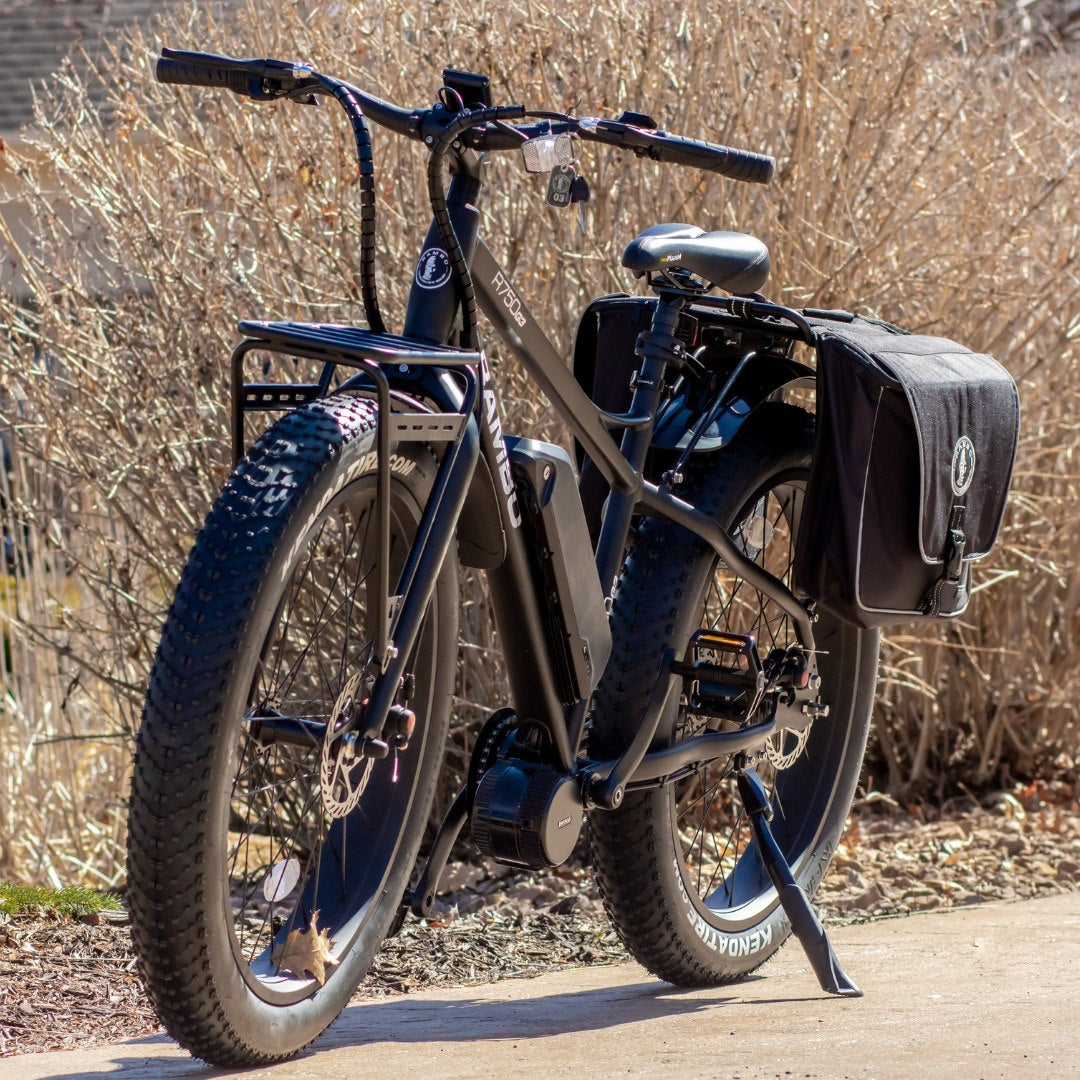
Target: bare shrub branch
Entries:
(927, 173)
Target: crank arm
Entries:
(662, 766)
(804, 922)
(606, 790)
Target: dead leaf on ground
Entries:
(305, 952)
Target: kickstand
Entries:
(804, 923)
(421, 897)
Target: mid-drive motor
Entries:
(527, 814)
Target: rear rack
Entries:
(753, 313)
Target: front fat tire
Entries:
(182, 818)
(641, 864)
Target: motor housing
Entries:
(527, 814)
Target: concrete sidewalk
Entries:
(983, 992)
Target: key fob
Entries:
(579, 190)
(559, 185)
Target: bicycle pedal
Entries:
(723, 674)
(709, 648)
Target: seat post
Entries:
(656, 347)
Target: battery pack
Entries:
(565, 574)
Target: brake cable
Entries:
(437, 194)
(368, 287)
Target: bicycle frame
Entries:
(518, 516)
(461, 388)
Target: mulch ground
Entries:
(66, 984)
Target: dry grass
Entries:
(927, 172)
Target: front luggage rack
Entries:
(347, 344)
(333, 345)
(369, 352)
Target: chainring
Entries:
(486, 749)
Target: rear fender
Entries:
(679, 418)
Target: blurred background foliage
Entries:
(927, 172)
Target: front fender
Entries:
(678, 420)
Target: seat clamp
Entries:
(663, 347)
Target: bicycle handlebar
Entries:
(679, 150)
(269, 79)
(226, 72)
(645, 142)
(266, 80)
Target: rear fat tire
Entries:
(641, 863)
(226, 609)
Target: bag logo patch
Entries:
(963, 465)
(432, 268)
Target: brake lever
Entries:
(644, 143)
(301, 90)
(618, 133)
(302, 96)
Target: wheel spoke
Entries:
(719, 837)
(320, 633)
(351, 594)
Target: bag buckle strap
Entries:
(955, 546)
(954, 550)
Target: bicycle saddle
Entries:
(736, 262)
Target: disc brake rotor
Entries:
(781, 758)
(343, 776)
(755, 532)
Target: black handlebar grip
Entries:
(744, 165)
(736, 164)
(181, 72)
(695, 153)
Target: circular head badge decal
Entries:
(963, 465)
(433, 268)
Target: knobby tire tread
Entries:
(171, 782)
(630, 843)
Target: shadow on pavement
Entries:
(421, 1020)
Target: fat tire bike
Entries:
(668, 681)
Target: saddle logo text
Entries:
(432, 268)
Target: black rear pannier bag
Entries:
(915, 447)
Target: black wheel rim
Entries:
(720, 866)
(278, 828)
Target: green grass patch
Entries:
(71, 900)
